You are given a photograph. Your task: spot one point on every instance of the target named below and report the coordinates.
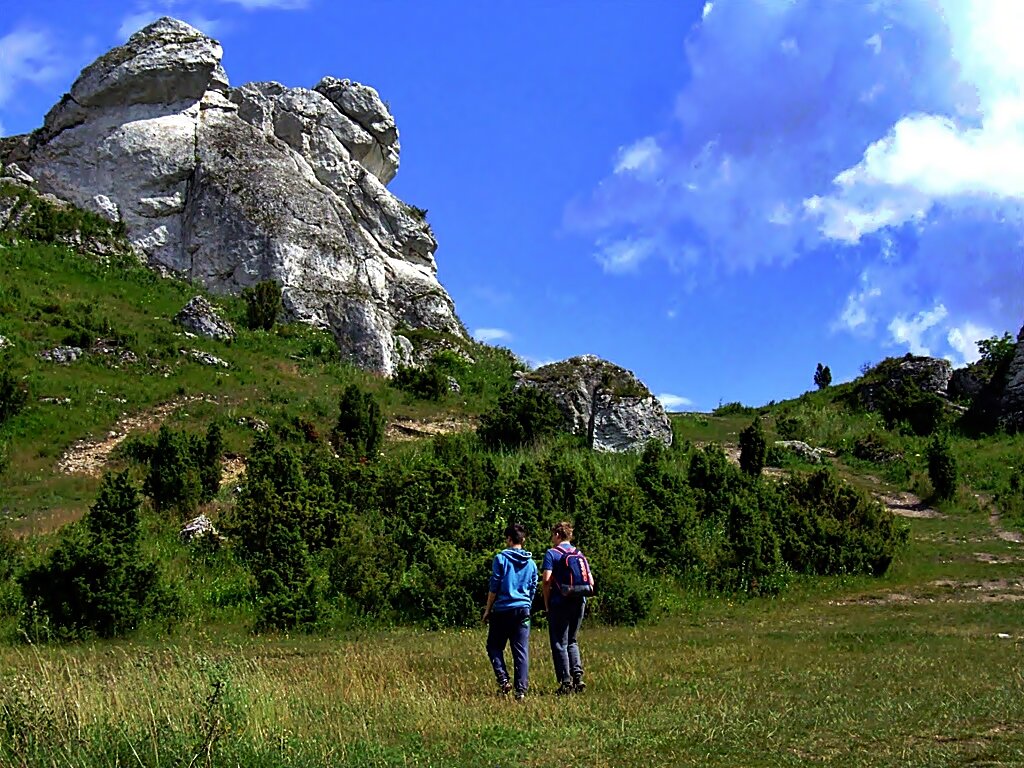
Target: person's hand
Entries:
(486, 616)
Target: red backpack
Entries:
(572, 574)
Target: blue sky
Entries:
(715, 195)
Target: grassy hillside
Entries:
(739, 647)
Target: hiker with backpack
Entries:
(511, 589)
(567, 582)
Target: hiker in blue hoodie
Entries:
(510, 595)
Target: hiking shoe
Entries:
(504, 688)
(565, 689)
(578, 686)
(520, 695)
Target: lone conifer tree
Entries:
(822, 376)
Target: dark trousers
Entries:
(564, 620)
(510, 628)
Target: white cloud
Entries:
(28, 56)
(674, 402)
(894, 142)
(707, 9)
(912, 332)
(855, 315)
(964, 341)
(643, 157)
(624, 256)
(491, 335)
(929, 158)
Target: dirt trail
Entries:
(415, 429)
(996, 521)
(907, 504)
(89, 456)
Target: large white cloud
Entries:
(887, 132)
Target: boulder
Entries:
(929, 374)
(200, 317)
(205, 358)
(61, 355)
(604, 402)
(1011, 404)
(198, 528)
(803, 450)
(965, 384)
(233, 186)
(12, 171)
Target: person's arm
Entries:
(546, 583)
(491, 597)
(492, 587)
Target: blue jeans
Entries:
(510, 627)
(564, 619)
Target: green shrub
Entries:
(210, 468)
(359, 430)
(522, 417)
(429, 383)
(13, 396)
(262, 305)
(790, 427)
(174, 477)
(444, 587)
(96, 581)
(271, 522)
(734, 409)
(753, 447)
(827, 527)
(877, 447)
(942, 468)
(905, 403)
(624, 596)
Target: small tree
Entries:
(360, 427)
(13, 396)
(262, 305)
(96, 581)
(430, 383)
(942, 469)
(753, 448)
(174, 478)
(822, 376)
(521, 417)
(209, 469)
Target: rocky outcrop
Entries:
(1011, 404)
(200, 317)
(604, 402)
(232, 186)
(927, 374)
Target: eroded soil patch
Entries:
(89, 456)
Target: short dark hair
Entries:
(516, 533)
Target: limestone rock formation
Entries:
(200, 317)
(604, 402)
(231, 186)
(1011, 405)
(928, 374)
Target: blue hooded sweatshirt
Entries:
(513, 579)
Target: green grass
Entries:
(48, 292)
(907, 669)
(846, 672)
